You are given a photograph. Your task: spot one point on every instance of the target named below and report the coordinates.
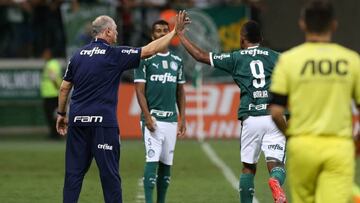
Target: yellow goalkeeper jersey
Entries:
(320, 80)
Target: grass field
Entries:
(31, 171)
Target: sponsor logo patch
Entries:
(129, 51)
(222, 56)
(88, 119)
(94, 51)
(275, 147)
(156, 65)
(105, 147)
(257, 107)
(254, 52)
(167, 77)
(160, 113)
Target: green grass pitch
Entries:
(32, 171)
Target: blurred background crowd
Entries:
(35, 32)
(28, 27)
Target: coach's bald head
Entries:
(104, 27)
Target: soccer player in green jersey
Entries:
(159, 83)
(318, 80)
(251, 68)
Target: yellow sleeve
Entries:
(279, 81)
(357, 81)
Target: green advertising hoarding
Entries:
(20, 101)
(20, 83)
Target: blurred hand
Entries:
(182, 19)
(181, 129)
(150, 123)
(61, 125)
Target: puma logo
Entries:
(156, 65)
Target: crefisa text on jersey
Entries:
(222, 56)
(105, 146)
(129, 51)
(167, 77)
(254, 52)
(275, 147)
(93, 51)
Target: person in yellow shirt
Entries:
(317, 81)
(50, 84)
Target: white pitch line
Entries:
(140, 198)
(218, 162)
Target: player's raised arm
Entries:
(157, 45)
(196, 52)
(161, 43)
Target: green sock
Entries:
(246, 186)
(163, 182)
(149, 180)
(279, 174)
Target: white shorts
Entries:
(160, 144)
(259, 133)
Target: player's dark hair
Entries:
(158, 22)
(318, 15)
(251, 31)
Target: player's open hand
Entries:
(61, 125)
(181, 129)
(150, 123)
(182, 19)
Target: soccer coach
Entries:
(94, 74)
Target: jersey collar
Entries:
(163, 54)
(99, 40)
(256, 46)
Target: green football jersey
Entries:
(161, 73)
(251, 70)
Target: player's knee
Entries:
(73, 179)
(166, 180)
(272, 162)
(150, 180)
(249, 168)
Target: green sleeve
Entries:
(140, 72)
(223, 61)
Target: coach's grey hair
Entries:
(100, 24)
